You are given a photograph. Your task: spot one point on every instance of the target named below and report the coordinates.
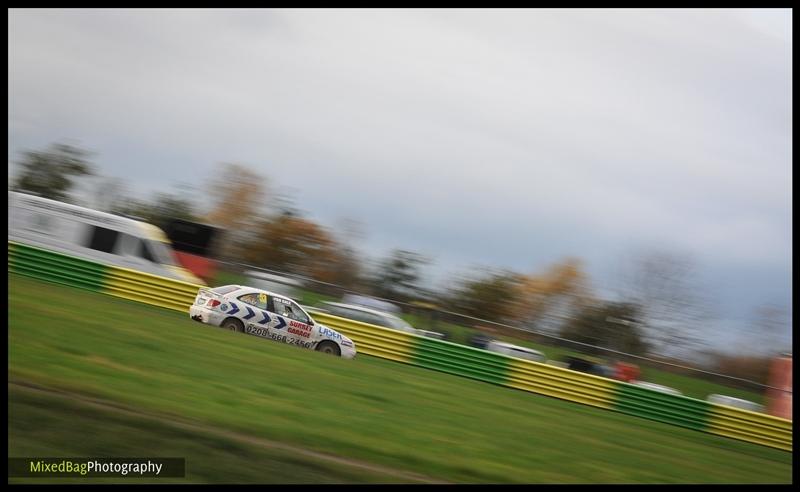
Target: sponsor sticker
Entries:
(327, 332)
(299, 332)
(299, 329)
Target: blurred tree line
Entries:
(659, 305)
(50, 172)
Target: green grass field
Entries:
(239, 392)
(47, 423)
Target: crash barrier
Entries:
(434, 354)
(387, 344)
(55, 267)
(107, 279)
(759, 428)
(149, 289)
(562, 383)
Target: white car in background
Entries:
(375, 317)
(658, 387)
(730, 401)
(515, 351)
(267, 315)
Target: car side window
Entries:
(102, 239)
(144, 252)
(301, 315)
(280, 306)
(291, 310)
(258, 300)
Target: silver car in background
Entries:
(515, 351)
(375, 317)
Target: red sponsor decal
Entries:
(299, 332)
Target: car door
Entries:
(292, 324)
(253, 311)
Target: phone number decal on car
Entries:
(254, 330)
(290, 340)
(263, 332)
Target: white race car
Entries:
(267, 315)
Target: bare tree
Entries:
(769, 323)
(675, 308)
(398, 276)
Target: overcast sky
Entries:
(509, 138)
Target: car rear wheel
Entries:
(329, 348)
(233, 324)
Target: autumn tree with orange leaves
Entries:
(546, 300)
(294, 245)
(237, 195)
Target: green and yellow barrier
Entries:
(750, 426)
(562, 383)
(149, 289)
(55, 267)
(373, 340)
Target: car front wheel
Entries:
(329, 348)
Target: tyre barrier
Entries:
(439, 355)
